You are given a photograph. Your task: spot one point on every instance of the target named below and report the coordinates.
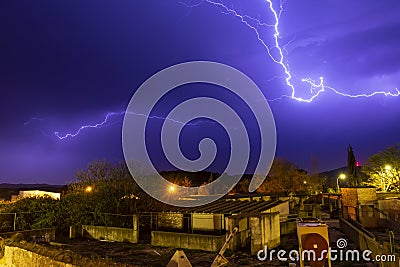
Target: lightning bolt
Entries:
(315, 87)
(111, 114)
(32, 120)
(97, 125)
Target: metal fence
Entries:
(191, 223)
(110, 219)
(18, 221)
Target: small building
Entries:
(39, 193)
(359, 204)
(206, 227)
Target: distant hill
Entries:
(333, 175)
(34, 186)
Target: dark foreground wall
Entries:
(365, 241)
(187, 241)
(15, 256)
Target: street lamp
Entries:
(388, 167)
(88, 189)
(171, 188)
(341, 176)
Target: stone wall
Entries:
(358, 196)
(25, 254)
(187, 241)
(15, 256)
(349, 197)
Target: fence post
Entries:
(156, 221)
(15, 220)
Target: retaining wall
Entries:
(110, 233)
(187, 241)
(288, 227)
(265, 231)
(15, 256)
(365, 240)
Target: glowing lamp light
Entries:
(358, 164)
(171, 188)
(341, 176)
(388, 167)
(88, 189)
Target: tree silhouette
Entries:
(354, 177)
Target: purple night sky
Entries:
(64, 64)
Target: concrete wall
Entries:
(242, 236)
(111, 233)
(107, 233)
(282, 208)
(170, 220)
(310, 211)
(288, 227)
(368, 216)
(365, 240)
(382, 195)
(390, 206)
(265, 230)
(207, 222)
(187, 241)
(15, 256)
(259, 231)
(75, 232)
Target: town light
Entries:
(388, 167)
(88, 189)
(172, 188)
